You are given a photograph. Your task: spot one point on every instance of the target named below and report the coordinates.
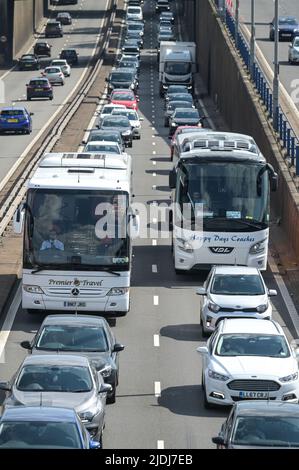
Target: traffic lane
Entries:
(263, 16)
(15, 85)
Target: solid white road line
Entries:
(156, 300)
(9, 320)
(155, 220)
(154, 268)
(157, 389)
(156, 341)
(154, 242)
(160, 444)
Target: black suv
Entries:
(53, 28)
(29, 61)
(39, 88)
(70, 55)
(42, 48)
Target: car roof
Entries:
(74, 319)
(56, 359)
(236, 270)
(250, 325)
(266, 408)
(102, 142)
(105, 131)
(36, 413)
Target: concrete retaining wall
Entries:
(27, 16)
(228, 84)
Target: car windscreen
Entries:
(180, 97)
(244, 344)
(134, 10)
(266, 431)
(116, 121)
(54, 378)
(121, 77)
(135, 27)
(224, 284)
(72, 338)
(123, 97)
(32, 434)
(192, 114)
(28, 57)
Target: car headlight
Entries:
(184, 245)
(88, 415)
(128, 132)
(258, 247)
(216, 376)
(132, 86)
(106, 371)
(213, 307)
(118, 291)
(289, 378)
(33, 289)
(262, 308)
(173, 124)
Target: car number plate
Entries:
(38, 89)
(74, 304)
(253, 395)
(12, 120)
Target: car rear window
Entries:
(12, 112)
(123, 96)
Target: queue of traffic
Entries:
(77, 258)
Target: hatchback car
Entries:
(288, 28)
(233, 291)
(39, 88)
(16, 120)
(43, 427)
(42, 48)
(294, 51)
(70, 55)
(64, 18)
(108, 108)
(184, 117)
(162, 5)
(172, 106)
(134, 26)
(122, 78)
(62, 63)
(125, 97)
(53, 28)
(260, 425)
(248, 359)
(54, 75)
(87, 335)
(133, 118)
(132, 59)
(29, 62)
(101, 135)
(121, 124)
(102, 147)
(60, 380)
(135, 35)
(167, 15)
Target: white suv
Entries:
(247, 359)
(233, 291)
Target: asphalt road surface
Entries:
(159, 399)
(264, 14)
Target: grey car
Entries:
(60, 380)
(87, 335)
(171, 107)
(117, 123)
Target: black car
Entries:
(172, 106)
(185, 96)
(70, 55)
(118, 123)
(254, 424)
(29, 62)
(53, 28)
(184, 117)
(288, 28)
(64, 18)
(100, 135)
(162, 5)
(39, 88)
(122, 78)
(42, 48)
(86, 335)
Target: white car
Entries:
(248, 359)
(134, 13)
(233, 291)
(102, 147)
(133, 118)
(108, 108)
(62, 63)
(54, 75)
(294, 51)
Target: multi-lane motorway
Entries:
(159, 400)
(264, 13)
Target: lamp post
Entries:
(276, 70)
(252, 40)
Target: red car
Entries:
(125, 97)
(176, 142)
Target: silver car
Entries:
(54, 74)
(62, 63)
(66, 381)
(294, 51)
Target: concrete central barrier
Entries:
(27, 17)
(227, 82)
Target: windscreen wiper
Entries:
(109, 270)
(42, 267)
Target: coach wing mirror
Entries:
(18, 220)
(5, 386)
(134, 225)
(172, 179)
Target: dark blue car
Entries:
(16, 119)
(288, 28)
(33, 427)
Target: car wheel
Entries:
(166, 123)
(28, 98)
(138, 137)
(130, 144)
(180, 271)
(50, 98)
(111, 399)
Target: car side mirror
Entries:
(5, 386)
(106, 79)
(202, 350)
(272, 292)
(141, 119)
(26, 345)
(84, 142)
(105, 388)
(218, 440)
(31, 114)
(118, 347)
(172, 179)
(201, 291)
